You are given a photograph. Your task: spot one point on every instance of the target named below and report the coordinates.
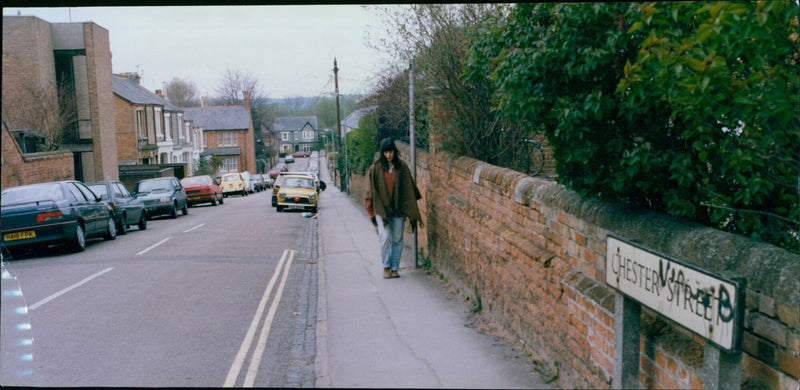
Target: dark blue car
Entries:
(163, 195)
(62, 212)
(127, 209)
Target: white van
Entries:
(248, 181)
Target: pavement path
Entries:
(408, 332)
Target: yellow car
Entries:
(297, 192)
(232, 183)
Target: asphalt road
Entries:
(224, 296)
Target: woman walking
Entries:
(391, 198)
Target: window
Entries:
(140, 124)
(227, 138)
(285, 136)
(159, 118)
(308, 134)
(230, 164)
(205, 139)
(167, 126)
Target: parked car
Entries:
(247, 178)
(60, 212)
(127, 209)
(297, 192)
(164, 195)
(232, 183)
(258, 182)
(300, 154)
(288, 159)
(202, 189)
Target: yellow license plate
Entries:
(194, 198)
(19, 235)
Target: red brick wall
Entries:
(535, 253)
(32, 168)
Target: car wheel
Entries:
(244, 192)
(173, 212)
(143, 221)
(122, 225)
(222, 199)
(314, 209)
(78, 243)
(111, 232)
(213, 201)
(185, 210)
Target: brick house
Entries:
(227, 135)
(139, 120)
(39, 60)
(296, 133)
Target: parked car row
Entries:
(69, 212)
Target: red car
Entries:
(300, 154)
(202, 189)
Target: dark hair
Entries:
(386, 145)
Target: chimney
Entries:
(203, 101)
(246, 100)
(159, 93)
(133, 76)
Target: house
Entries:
(178, 145)
(350, 123)
(139, 116)
(57, 83)
(227, 135)
(296, 133)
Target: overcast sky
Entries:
(289, 49)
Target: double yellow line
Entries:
(258, 352)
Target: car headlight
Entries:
(312, 197)
(164, 200)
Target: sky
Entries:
(289, 49)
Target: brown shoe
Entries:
(386, 274)
(394, 274)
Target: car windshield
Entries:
(153, 185)
(298, 182)
(231, 178)
(196, 181)
(31, 193)
(99, 190)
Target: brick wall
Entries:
(125, 125)
(18, 169)
(101, 96)
(535, 252)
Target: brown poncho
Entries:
(404, 195)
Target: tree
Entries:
(234, 82)
(48, 109)
(434, 36)
(181, 92)
(686, 108)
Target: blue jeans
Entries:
(390, 237)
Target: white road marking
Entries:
(238, 361)
(68, 289)
(255, 360)
(153, 246)
(194, 228)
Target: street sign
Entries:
(704, 303)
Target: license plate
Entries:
(194, 198)
(19, 235)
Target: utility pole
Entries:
(338, 117)
(413, 140)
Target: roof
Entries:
(218, 118)
(284, 123)
(130, 90)
(352, 120)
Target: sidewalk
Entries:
(406, 332)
